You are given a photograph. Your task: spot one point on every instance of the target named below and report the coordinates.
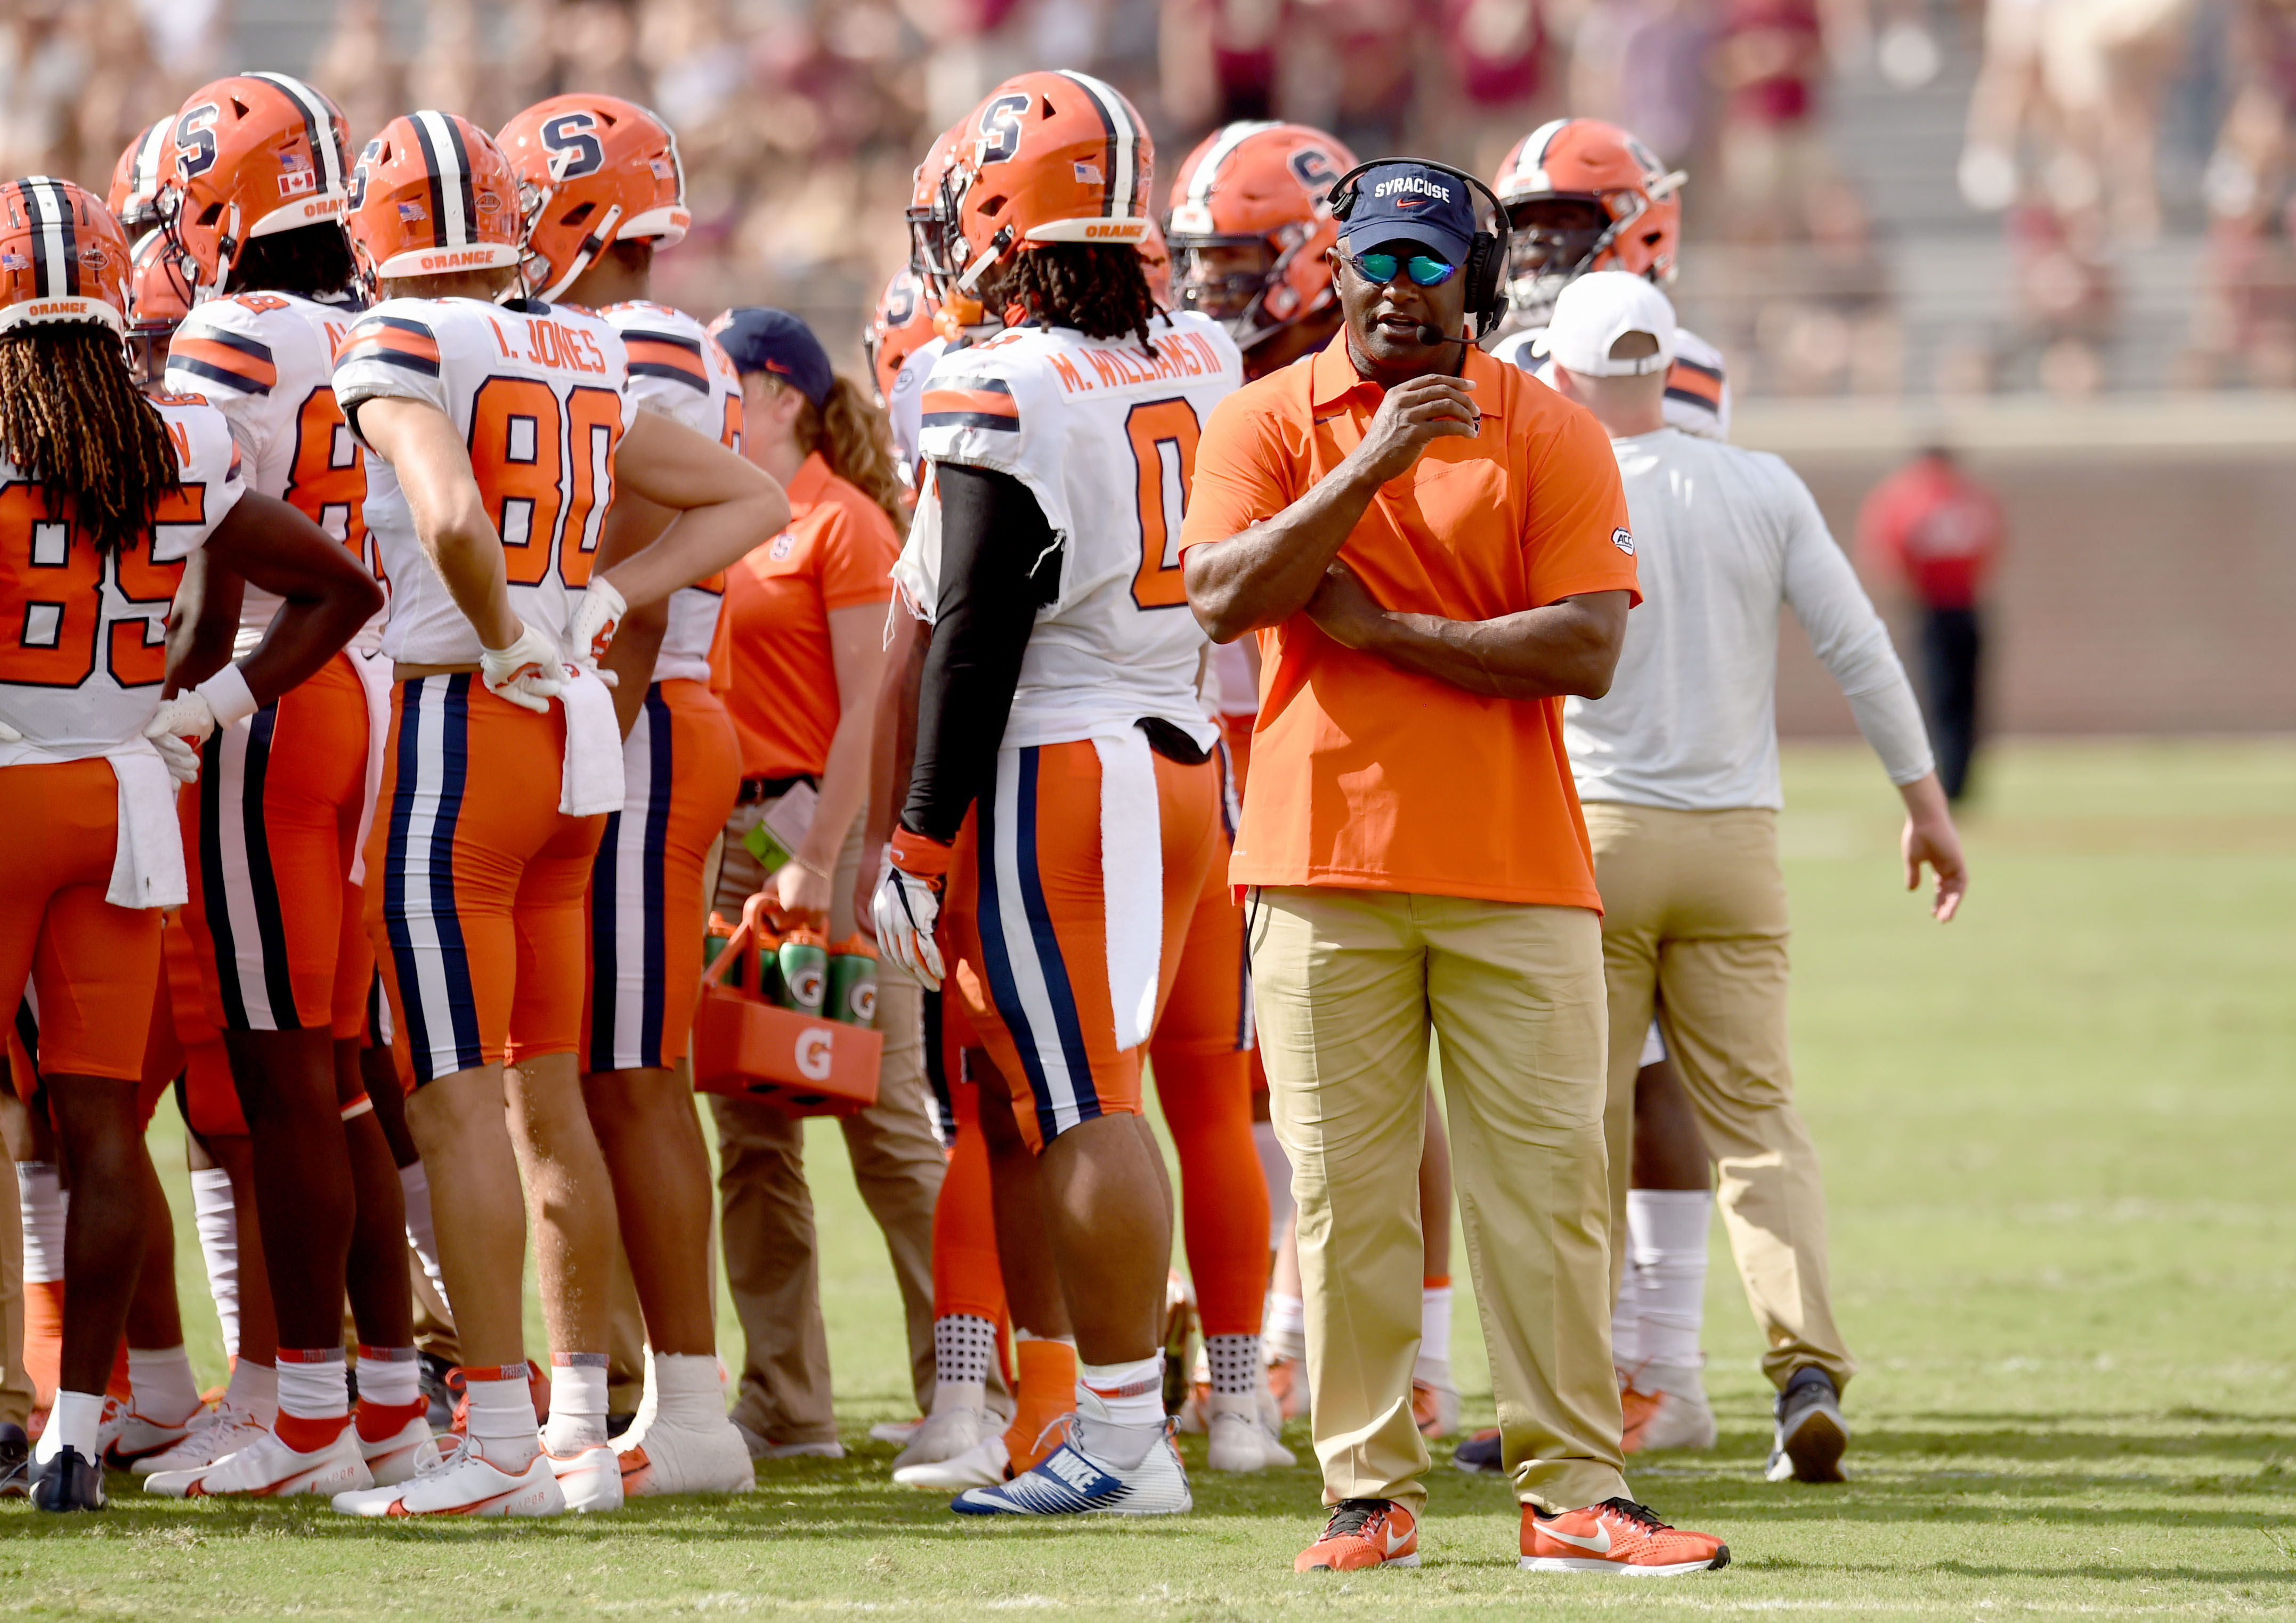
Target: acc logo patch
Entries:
(1623, 541)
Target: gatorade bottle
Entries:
(853, 982)
(804, 971)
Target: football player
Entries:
(259, 166)
(497, 436)
(606, 192)
(142, 172)
(1057, 705)
(110, 492)
(158, 298)
(1582, 195)
(901, 344)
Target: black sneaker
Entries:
(71, 1481)
(1479, 1454)
(431, 1383)
(15, 1463)
(1811, 1436)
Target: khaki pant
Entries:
(768, 1229)
(15, 1382)
(1349, 986)
(1694, 918)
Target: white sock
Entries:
(501, 1414)
(1667, 1227)
(1275, 1167)
(389, 1377)
(216, 1218)
(577, 1403)
(1286, 1327)
(161, 1384)
(688, 1391)
(414, 1184)
(72, 1423)
(41, 1200)
(1235, 1361)
(313, 1383)
(1434, 1366)
(1121, 1409)
(255, 1388)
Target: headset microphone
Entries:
(1430, 333)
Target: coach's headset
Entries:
(1486, 251)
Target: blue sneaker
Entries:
(1070, 1482)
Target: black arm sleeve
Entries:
(997, 567)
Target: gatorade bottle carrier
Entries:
(747, 1046)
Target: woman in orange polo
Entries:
(803, 629)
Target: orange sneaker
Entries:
(1617, 1536)
(1363, 1534)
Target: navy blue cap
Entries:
(778, 344)
(1411, 202)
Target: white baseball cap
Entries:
(1600, 308)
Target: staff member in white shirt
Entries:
(1678, 766)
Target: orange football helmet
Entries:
(1583, 195)
(432, 194)
(142, 172)
(928, 239)
(592, 171)
(63, 257)
(1251, 223)
(1054, 157)
(254, 155)
(902, 324)
(158, 298)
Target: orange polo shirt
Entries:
(1369, 776)
(837, 552)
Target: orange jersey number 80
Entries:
(1163, 435)
(522, 448)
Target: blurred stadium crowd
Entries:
(2071, 139)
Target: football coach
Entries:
(1433, 550)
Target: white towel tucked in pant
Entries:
(147, 861)
(1132, 880)
(592, 782)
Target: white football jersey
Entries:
(267, 361)
(1697, 387)
(905, 405)
(677, 370)
(1104, 434)
(537, 393)
(83, 633)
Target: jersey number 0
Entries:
(1163, 435)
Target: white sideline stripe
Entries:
(1020, 945)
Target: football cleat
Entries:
(589, 1479)
(1363, 1534)
(1435, 1408)
(404, 1436)
(675, 1459)
(222, 1432)
(123, 1435)
(1811, 1436)
(1618, 1537)
(943, 1435)
(15, 1462)
(1240, 1440)
(461, 1481)
(1668, 1420)
(984, 1465)
(71, 1481)
(270, 1469)
(1070, 1482)
(1480, 1454)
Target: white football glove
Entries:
(907, 906)
(183, 759)
(529, 673)
(9, 736)
(597, 618)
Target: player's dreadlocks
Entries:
(72, 421)
(1099, 289)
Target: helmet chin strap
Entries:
(592, 247)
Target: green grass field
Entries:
(2061, 1143)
